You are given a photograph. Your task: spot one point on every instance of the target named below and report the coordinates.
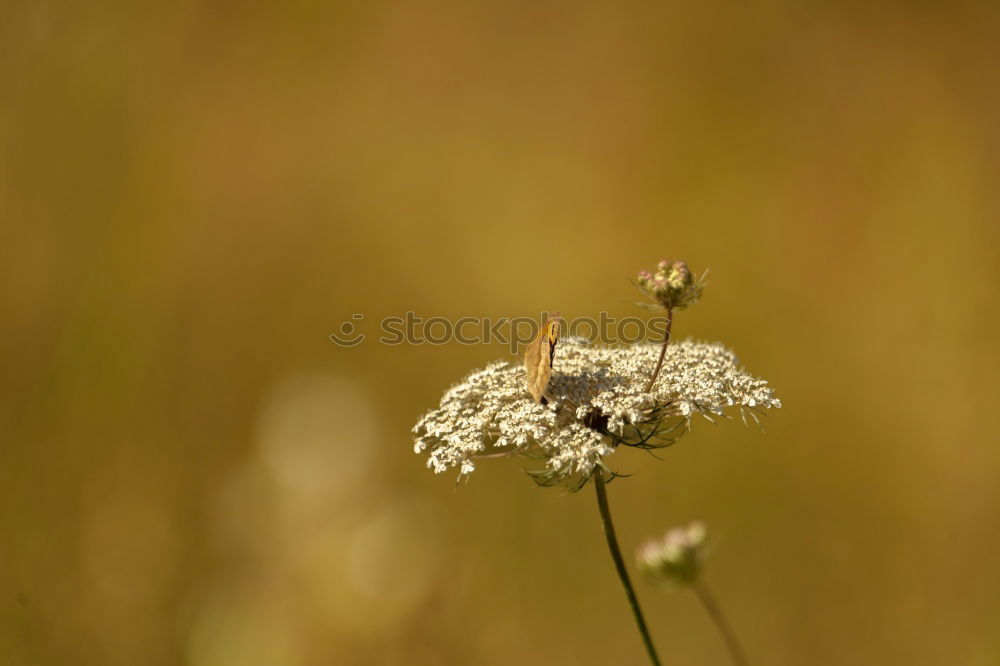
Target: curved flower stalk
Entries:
(598, 401)
(676, 559)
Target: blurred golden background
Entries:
(195, 195)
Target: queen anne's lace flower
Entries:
(596, 401)
(676, 557)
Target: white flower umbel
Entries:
(597, 400)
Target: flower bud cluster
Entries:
(677, 556)
(671, 286)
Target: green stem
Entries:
(663, 352)
(715, 612)
(616, 555)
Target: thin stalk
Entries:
(616, 555)
(715, 612)
(663, 351)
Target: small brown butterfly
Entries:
(538, 358)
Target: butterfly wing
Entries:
(538, 359)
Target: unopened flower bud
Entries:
(672, 286)
(676, 557)
(678, 276)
